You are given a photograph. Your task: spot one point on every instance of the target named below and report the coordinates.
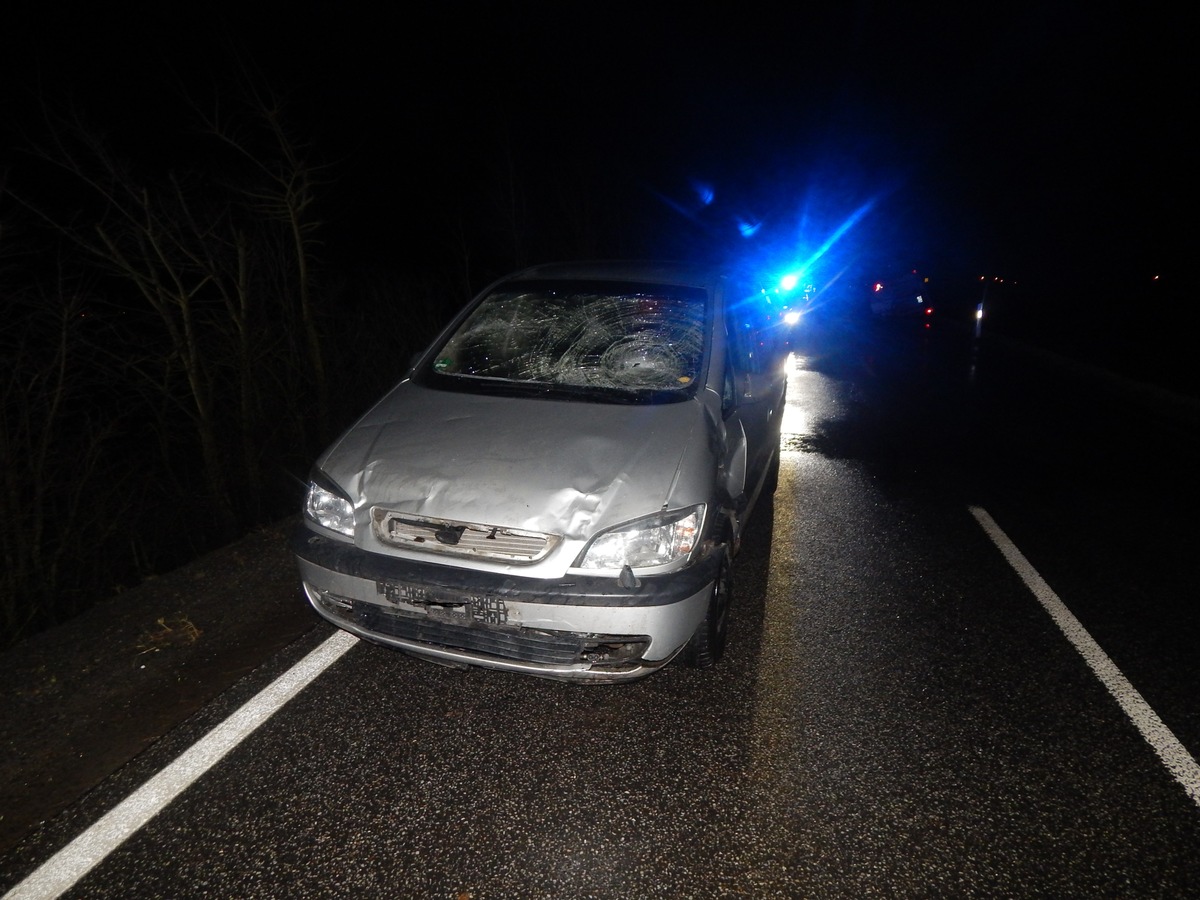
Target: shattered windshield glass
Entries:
(611, 338)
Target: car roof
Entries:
(644, 271)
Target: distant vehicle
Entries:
(790, 305)
(902, 295)
(797, 306)
(559, 485)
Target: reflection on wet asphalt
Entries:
(894, 717)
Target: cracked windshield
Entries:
(629, 340)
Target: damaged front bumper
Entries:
(577, 628)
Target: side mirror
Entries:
(734, 464)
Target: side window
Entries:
(751, 339)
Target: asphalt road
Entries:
(898, 713)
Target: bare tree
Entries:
(222, 261)
(284, 192)
(61, 503)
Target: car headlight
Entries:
(647, 543)
(329, 508)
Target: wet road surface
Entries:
(896, 714)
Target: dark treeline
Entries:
(179, 340)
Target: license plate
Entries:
(444, 605)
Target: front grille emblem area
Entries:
(449, 534)
(467, 539)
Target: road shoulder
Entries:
(81, 700)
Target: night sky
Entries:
(1041, 141)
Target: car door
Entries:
(755, 381)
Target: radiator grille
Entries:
(451, 538)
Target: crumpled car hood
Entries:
(558, 467)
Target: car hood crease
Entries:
(551, 466)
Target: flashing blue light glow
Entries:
(791, 317)
(850, 222)
(748, 229)
(799, 275)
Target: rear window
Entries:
(604, 341)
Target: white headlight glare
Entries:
(647, 543)
(329, 510)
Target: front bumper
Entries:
(578, 628)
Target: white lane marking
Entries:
(65, 868)
(1173, 754)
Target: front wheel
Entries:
(707, 645)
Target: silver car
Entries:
(560, 483)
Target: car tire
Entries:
(707, 645)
